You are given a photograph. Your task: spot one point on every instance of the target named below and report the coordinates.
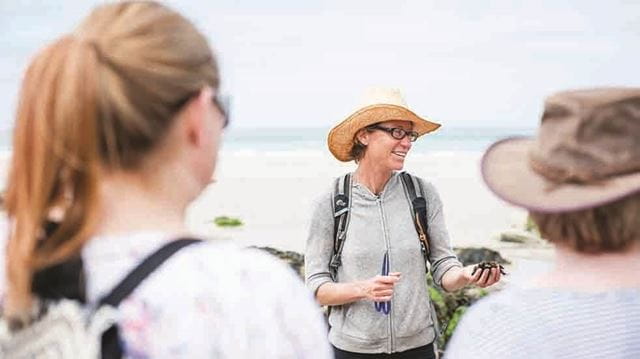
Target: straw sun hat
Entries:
(586, 154)
(379, 105)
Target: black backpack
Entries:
(341, 205)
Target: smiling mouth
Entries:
(401, 154)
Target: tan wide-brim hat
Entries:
(379, 105)
(586, 154)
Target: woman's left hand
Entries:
(457, 277)
(481, 278)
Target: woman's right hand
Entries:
(376, 289)
(380, 287)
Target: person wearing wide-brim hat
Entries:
(580, 181)
(366, 253)
(117, 130)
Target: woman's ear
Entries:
(362, 136)
(195, 116)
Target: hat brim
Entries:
(340, 139)
(506, 171)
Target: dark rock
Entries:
(294, 259)
(472, 255)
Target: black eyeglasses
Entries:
(396, 132)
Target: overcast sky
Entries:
(305, 63)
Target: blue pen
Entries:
(384, 307)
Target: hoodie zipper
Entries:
(388, 247)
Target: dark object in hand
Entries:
(473, 255)
(482, 266)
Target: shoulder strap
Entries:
(143, 270)
(341, 204)
(418, 203)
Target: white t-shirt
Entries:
(209, 300)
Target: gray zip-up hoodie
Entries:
(379, 224)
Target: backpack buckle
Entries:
(340, 204)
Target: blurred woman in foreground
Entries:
(117, 131)
(580, 181)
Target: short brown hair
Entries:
(358, 150)
(608, 228)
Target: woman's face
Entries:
(385, 150)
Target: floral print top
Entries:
(209, 300)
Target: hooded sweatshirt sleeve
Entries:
(319, 247)
(442, 257)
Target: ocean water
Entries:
(314, 139)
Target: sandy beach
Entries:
(272, 192)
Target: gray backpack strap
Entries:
(415, 194)
(341, 204)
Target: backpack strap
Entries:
(341, 204)
(110, 346)
(415, 192)
(143, 270)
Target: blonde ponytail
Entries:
(96, 100)
(53, 153)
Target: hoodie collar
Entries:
(365, 192)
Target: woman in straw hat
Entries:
(380, 312)
(117, 132)
(580, 180)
